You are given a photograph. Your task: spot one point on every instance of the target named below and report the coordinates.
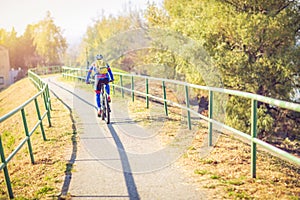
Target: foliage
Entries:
(253, 45)
(11, 41)
(31, 58)
(103, 36)
(49, 42)
(249, 46)
(41, 44)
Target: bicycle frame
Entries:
(105, 115)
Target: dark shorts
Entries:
(100, 81)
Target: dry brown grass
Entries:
(44, 179)
(225, 173)
(15, 95)
(226, 170)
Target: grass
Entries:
(237, 181)
(16, 95)
(225, 172)
(201, 172)
(44, 179)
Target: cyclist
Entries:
(103, 74)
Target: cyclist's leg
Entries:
(98, 99)
(107, 88)
(98, 90)
(98, 104)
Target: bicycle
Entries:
(105, 114)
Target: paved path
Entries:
(120, 160)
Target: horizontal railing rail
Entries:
(44, 92)
(43, 70)
(80, 74)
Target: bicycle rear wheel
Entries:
(103, 110)
(107, 110)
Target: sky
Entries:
(73, 16)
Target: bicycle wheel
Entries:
(102, 107)
(107, 110)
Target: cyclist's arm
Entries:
(111, 76)
(89, 74)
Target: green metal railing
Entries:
(44, 91)
(79, 74)
(43, 70)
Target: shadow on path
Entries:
(69, 165)
(72, 93)
(130, 184)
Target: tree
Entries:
(41, 43)
(28, 49)
(11, 41)
(50, 44)
(253, 45)
(104, 36)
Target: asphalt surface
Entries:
(120, 160)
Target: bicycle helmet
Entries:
(99, 57)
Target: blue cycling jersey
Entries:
(100, 73)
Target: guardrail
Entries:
(79, 74)
(44, 92)
(42, 70)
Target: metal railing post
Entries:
(5, 171)
(72, 75)
(121, 84)
(40, 119)
(77, 76)
(40, 84)
(187, 102)
(47, 106)
(48, 96)
(27, 135)
(147, 93)
(132, 88)
(210, 116)
(165, 98)
(253, 135)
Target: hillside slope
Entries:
(15, 95)
(44, 179)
